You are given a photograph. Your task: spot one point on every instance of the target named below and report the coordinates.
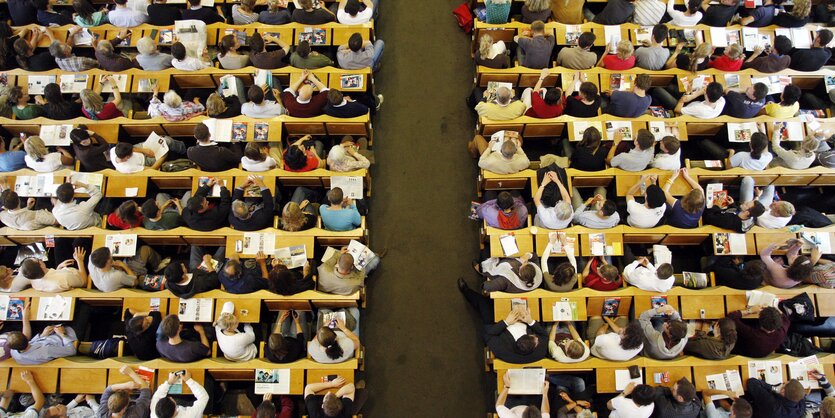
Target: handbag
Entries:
(464, 17)
(798, 308)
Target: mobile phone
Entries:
(179, 373)
(154, 33)
(330, 378)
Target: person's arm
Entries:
(500, 401)
(66, 157)
(614, 326)
(537, 198)
(671, 62)
(348, 333)
(626, 392)
(615, 142)
(162, 390)
(78, 256)
(198, 328)
(34, 389)
(312, 388)
(574, 334)
(347, 391)
(294, 87)
(542, 76)
(546, 406)
(202, 397)
(671, 200)
(630, 194)
(757, 51)
(318, 83)
(27, 325)
(546, 254)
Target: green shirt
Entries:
(169, 220)
(312, 61)
(28, 112)
(98, 18)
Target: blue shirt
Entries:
(739, 105)
(45, 349)
(12, 160)
(627, 104)
(249, 281)
(762, 16)
(680, 218)
(340, 219)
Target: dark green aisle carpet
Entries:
(423, 356)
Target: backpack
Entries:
(181, 164)
(464, 17)
(827, 159)
(798, 346)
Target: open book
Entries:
(624, 126)
(819, 239)
(215, 192)
(769, 371)
(121, 81)
(728, 380)
(580, 127)
(122, 245)
(195, 310)
(351, 186)
(752, 38)
(221, 129)
(760, 298)
(803, 370)
(526, 381)
(37, 83)
(741, 132)
(39, 185)
(292, 257)
(73, 83)
(275, 381)
(509, 246)
(493, 88)
(800, 37)
(90, 179)
(56, 135)
(565, 310)
(730, 244)
(362, 254)
(661, 254)
(623, 378)
(157, 145)
(54, 308)
(257, 241)
(775, 83)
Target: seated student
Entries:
(564, 277)
(615, 13)
(814, 58)
(617, 340)
(298, 215)
(110, 60)
(39, 158)
(589, 154)
(685, 212)
(304, 57)
(13, 159)
(623, 59)
(719, 15)
(173, 347)
(510, 159)
(199, 214)
(822, 270)
(511, 275)
(767, 336)
(579, 57)
(141, 331)
(235, 345)
(184, 62)
(304, 155)
(648, 214)
(596, 212)
(598, 274)
(162, 213)
(196, 11)
(696, 61)
(349, 13)
(709, 108)
(332, 404)
(228, 55)
(55, 341)
(348, 155)
(285, 281)
(798, 270)
(258, 107)
(787, 403)
(631, 104)
(247, 215)
(74, 408)
(341, 213)
(239, 279)
(263, 59)
(210, 156)
(25, 46)
(799, 159)
(90, 149)
(184, 284)
(128, 160)
(164, 406)
(713, 341)
(796, 18)
(149, 57)
(762, 15)
(491, 54)
(777, 215)
(109, 275)
(777, 59)
(535, 51)
(221, 107)
(11, 281)
(94, 107)
(497, 11)
(643, 275)
(652, 56)
(162, 14)
(286, 342)
(116, 399)
(670, 156)
(757, 158)
(679, 401)
(24, 218)
(517, 339)
(276, 13)
(503, 108)
(64, 57)
(338, 275)
(49, 17)
(668, 340)
(745, 104)
(60, 279)
(342, 106)
(256, 158)
(504, 212)
(55, 106)
(640, 404)
(789, 104)
(560, 214)
(736, 273)
(522, 410)
(333, 345)
(243, 13)
(690, 17)
(637, 157)
(125, 17)
(740, 408)
(73, 215)
(565, 344)
(543, 103)
(21, 107)
(731, 60)
(306, 14)
(300, 100)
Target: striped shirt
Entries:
(75, 64)
(649, 12)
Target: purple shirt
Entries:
(489, 211)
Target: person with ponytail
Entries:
(235, 345)
(512, 275)
(713, 341)
(667, 341)
(228, 54)
(24, 49)
(286, 343)
(334, 342)
(696, 61)
(757, 158)
(564, 277)
(87, 16)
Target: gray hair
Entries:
(240, 209)
(172, 99)
(337, 153)
(564, 210)
(504, 95)
(106, 48)
(57, 50)
(509, 149)
(146, 45)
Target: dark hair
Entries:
(195, 203)
(791, 94)
(303, 49)
(253, 152)
(10, 200)
(135, 325)
(266, 409)
(295, 158)
(643, 395)
(655, 196)
(256, 43)
(281, 280)
(608, 208)
(65, 193)
(770, 319)
(588, 90)
(645, 139)
(225, 45)
(127, 212)
(591, 139)
(235, 265)
(693, 5)
(165, 407)
(194, 2)
(586, 40)
(825, 36)
(21, 49)
(756, 210)
(759, 143)
(800, 269)
(352, 7)
(84, 9)
(123, 150)
(504, 200)
(563, 273)
(5, 33)
(760, 91)
(664, 271)
(77, 135)
(727, 329)
(659, 32)
(355, 42)
(633, 336)
(526, 344)
(170, 326)
(16, 341)
(277, 345)
(753, 271)
(52, 94)
(685, 388)
(782, 44)
(255, 94)
(335, 196)
(201, 132)
(100, 256)
(327, 338)
(174, 272)
(553, 96)
(671, 144)
(714, 91)
(31, 269)
(643, 81)
(677, 330)
(39, 4)
(178, 51)
(150, 209)
(15, 94)
(335, 97)
(742, 409)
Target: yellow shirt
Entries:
(493, 111)
(781, 112)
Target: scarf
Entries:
(508, 220)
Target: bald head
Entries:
(503, 95)
(508, 149)
(345, 263)
(305, 92)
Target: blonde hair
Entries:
(733, 51)
(91, 100)
(172, 99)
(226, 321)
(808, 146)
(538, 5)
(35, 148)
(215, 105)
(625, 49)
(484, 45)
(145, 45)
(273, 5)
(828, 408)
(702, 51)
(248, 5)
(801, 9)
(292, 217)
(784, 209)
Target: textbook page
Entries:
(195, 310)
(526, 381)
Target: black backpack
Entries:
(174, 166)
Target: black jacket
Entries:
(501, 343)
(666, 407)
(206, 14)
(730, 274)
(213, 218)
(723, 218)
(201, 281)
(769, 404)
(214, 157)
(262, 218)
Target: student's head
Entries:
(801, 9)
(793, 391)
(265, 410)
(138, 324)
(538, 27)
(35, 148)
(32, 268)
(123, 151)
(538, 5)
(824, 37)
(175, 272)
(753, 271)
(331, 405)
(586, 40)
(172, 99)
(248, 5)
(664, 271)
(278, 345)
(303, 49)
(782, 45)
(170, 326)
(215, 105)
(106, 49)
(241, 210)
(17, 341)
(335, 97)
(118, 401)
(759, 144)
(56, 411)
(645, 140)
(335, 196)
(253, 152)
(588, 91)
(65, 193)
(643, 395)
(699, 55)
(734, 52)
(232, 268)
(563, 210)
(146, 46)
(484, 45)
(505, 201)
(800, 269)
(591, 139)
(508, 149)
(101, 258)
(201, 133)
(625, 49)
(165, 408)
(693, 6)
(770, 319)
(306, 4)
(693, 201)
(305, 92)
(80, 137)
(751, 209)
(683, 390)
(573, 348)
(22, 50)
(227, 320)
(194, 3)
(91, 100)
(727, 331)
(674, 332)
(791, 94)
(631, 336)
(531, 411)
(714, 92)
(52, 94)
(352, 7)
(526, 344)
(345, 264)
(563, 274)
(327, 338)
(757, 92)
(659, 33)
(643, 82)
(553, 96)
(608, 272)
(11, 200)
(178, 51)
(527, 274)
(670, 145)
(256, 43)
(292, 217)
(828, 408)
(255, 94)
(6, 277)
(503, 96)
(782, 209)
(655, 196)
(355, 42)
(121, 2)
(226, 44)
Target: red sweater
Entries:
(612, 62)
(726, 64)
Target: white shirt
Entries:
(701, 110)
(249, 164)
(62, 280)
(666, 161)
(626, 408)
(679, 18)
(516, 412)
(645, 278)
(75, 216)
(48, 164)
(24, 219)
(190, 64)
(134, 164)
(124, 17)
(743, 159)
(193, 411)
(111, 280)
(546, 217)
(238, 347)
(267, 109)
(607, 346)
(641, 216)
(317, 351)
(19, 283)
(767, 220)
(362, 17)
(559, 355)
